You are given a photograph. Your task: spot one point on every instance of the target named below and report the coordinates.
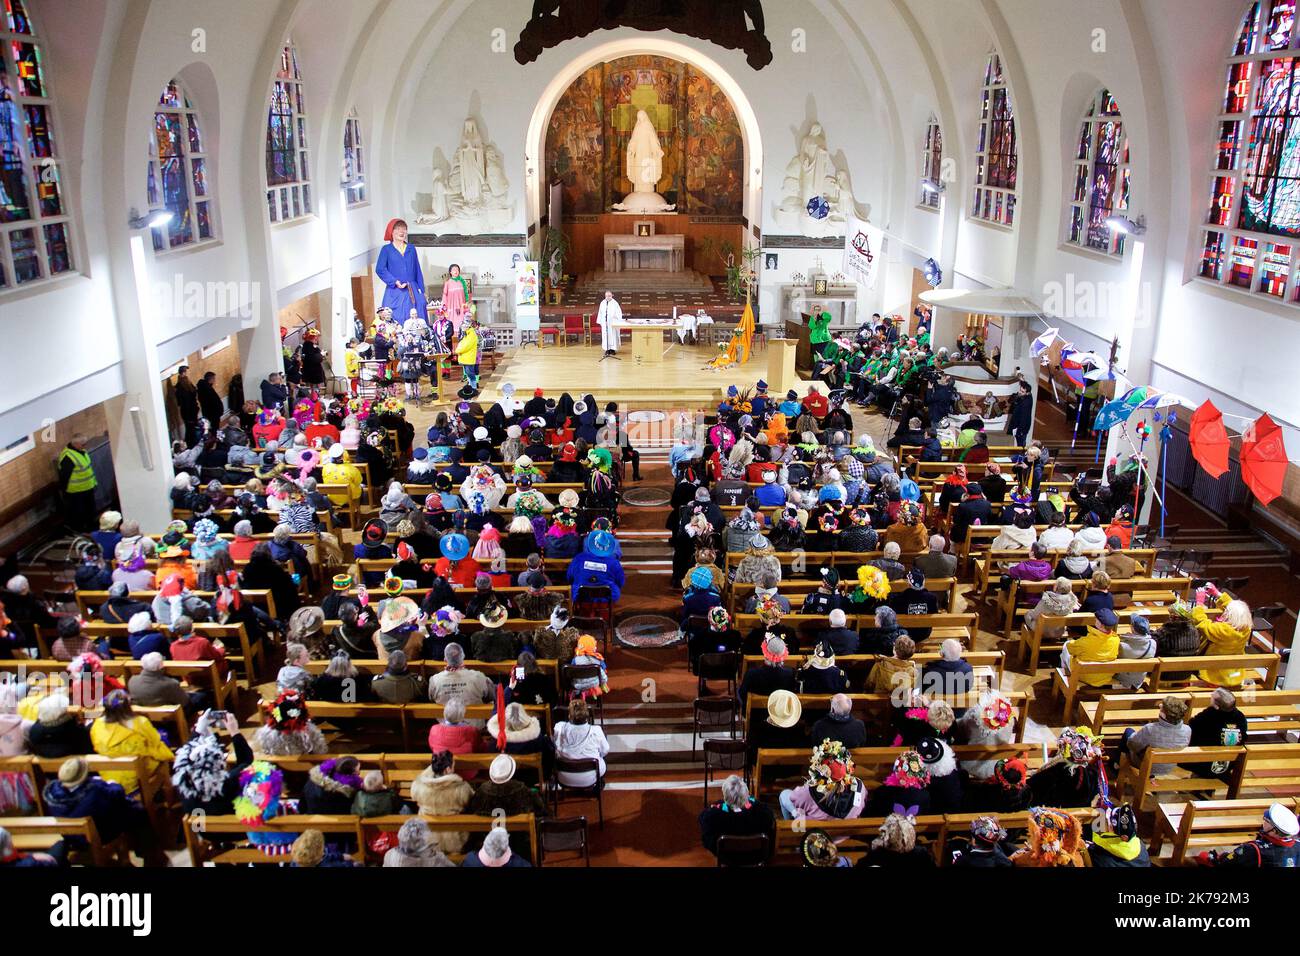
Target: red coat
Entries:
(816, 405)
(265, 433)
(464, 572)
(458, 739)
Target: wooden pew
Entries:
(89, 602)
(1271, 769)
(250, 657)
(1208, 825)
(944, 588)
(933, 832)
(942, 626)
(522, 824)
(989, 666)
(1142, 591)
(1158, 674)
(199, 827)
(39, 834)
(497, 670)
(878, 706)
(990, 564)
(406, 716)
(225, 692)
(1140, 784)
(1271, 712)
(779, 769)
(1034, 640)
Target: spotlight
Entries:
(1126, 225)
(151, 221)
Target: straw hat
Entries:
(783, 708)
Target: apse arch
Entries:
(535, 155)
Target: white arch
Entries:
(550, 96)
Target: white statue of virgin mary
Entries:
(645, 167)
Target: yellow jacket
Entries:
(352, 361)
(136, 738)
(335, 473)
(1094, 647)
(467, 346)
(1218, 639)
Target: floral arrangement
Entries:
(390, 405)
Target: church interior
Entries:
(649, 434)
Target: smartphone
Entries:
(519, 673)
(217, 718)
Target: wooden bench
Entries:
(945, 589)
(989, 666)
(407, 716)
(522, 824)
(933, 832)
(1271, 769)
(1208, 825)
(249, 660)
(942, 626)
(1268, 712)
(156, 795)
(1141, 591)
(497, 670)
(400, 770)
(980, 537)
(225, 691)
(1139, 784)
(783, 768)
(1158, 674)
(990, 564)
(1034, 641)
(39, 834)
(89, 602)
(878, 707)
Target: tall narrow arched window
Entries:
(1101, 177)
(288, 173)
(178, 172)
(354, 161)
(995, 155)
(1252, 226)
(932, 164)
(35, 228)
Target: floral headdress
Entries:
(909, 513)
(995, 712)
(262, 785)
(288, 712)
(873, 582)
(769, 611)
(909, 771)
(830, 770)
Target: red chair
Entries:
(553, 331)
(576, 325)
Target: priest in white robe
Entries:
(610, 312)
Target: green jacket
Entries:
(820, 326)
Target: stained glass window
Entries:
(996, 155)
(34, 226)
(177, 178)
(932, 164)
(354, 161)
(1255, 188)
(287, 173)
(1101, 177)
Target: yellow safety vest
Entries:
(82, 477)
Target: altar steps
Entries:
(645, 280)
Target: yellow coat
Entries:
(1094, 647)
(1218, 639)
(352, 361)
(335, 473)
(136, 738)
(467, 347)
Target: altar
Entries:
(659, 253)
(647, 338)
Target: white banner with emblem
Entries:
(863, 252)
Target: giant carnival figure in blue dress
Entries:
(399, 268)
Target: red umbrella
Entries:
(1209, 440)
(1263, 459)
